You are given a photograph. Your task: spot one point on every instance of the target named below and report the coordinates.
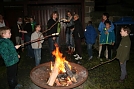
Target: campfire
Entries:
(60, 74)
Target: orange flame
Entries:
(59, 59)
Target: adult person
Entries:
(68, 32)
(18, 27)
(28, 31)
(101, 27)
(51, 40)
(78, 34)
(3, 22)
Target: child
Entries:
(37, 45)
(107, 39)
(123, 51)
(90, 36)
(10, 57)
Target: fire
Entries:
(59, 59)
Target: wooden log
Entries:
(53, 75)
(69, 72)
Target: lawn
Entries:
(102, 77)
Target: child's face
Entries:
(38, 28)
(7, 34)
(123, 33)
(107, 25)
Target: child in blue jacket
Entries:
(107, 39)
(90, 36)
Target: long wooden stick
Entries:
(53, 25)
(39, 39)
(102, 64)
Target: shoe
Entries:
(76, 55)
(78, 58)
(18, 86)
(90, 57)
(101, 59)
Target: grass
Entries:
(102, 77)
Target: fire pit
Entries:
(60, 74)
(41, 73)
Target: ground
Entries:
(102, 77)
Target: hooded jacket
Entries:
(8, 52)
(90, 34)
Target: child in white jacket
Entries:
(38, 44)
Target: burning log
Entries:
(69, 72)
(53, 75)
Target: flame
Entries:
(59, 59)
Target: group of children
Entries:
(11, 57)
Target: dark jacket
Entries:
(53, 29)
(124, 49)
(90, 34)
(8, 52)
(28, 28)
(16, 29)
(78, 31)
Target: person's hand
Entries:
(18, 56)
(72, 29)
(54, 38)
(17, 46)
(121, 63)
(19, 30)
(106, 32)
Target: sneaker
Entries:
(90, 57)
(18, 86)
(76, 55)
(78, 58)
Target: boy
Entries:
(123, 51)
(90, 36)
(10, 57)
(37, 45)
(107, 39)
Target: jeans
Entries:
(123, 71)
(37, 54)
(30, 52)
(12, 76)
(89, 49)
(69, 39)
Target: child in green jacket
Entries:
(10, 57)
(123, 51)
